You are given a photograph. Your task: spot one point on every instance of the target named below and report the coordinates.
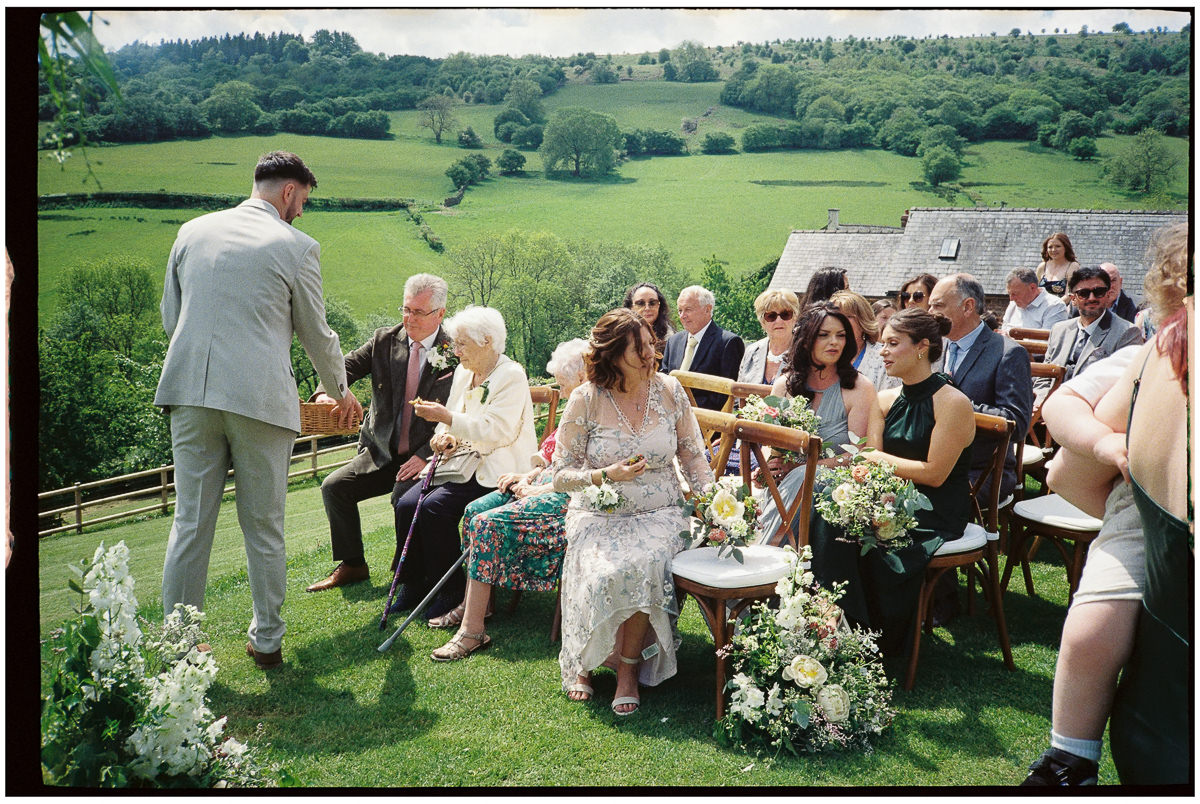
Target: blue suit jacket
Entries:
(995, 376)
(719, 352)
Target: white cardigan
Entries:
(501, 427)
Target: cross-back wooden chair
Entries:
(722, 587)
(1052, 518)
(546, 395)
(976, 551)
(722, 425)
(1028, 334)
(705, 382)
(1036, 349)
(741, 390)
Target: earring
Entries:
(920, 356)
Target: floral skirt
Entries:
(516, 543)
(615, 566)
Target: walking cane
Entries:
(408, 539)
(421, 606)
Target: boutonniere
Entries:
(481, 391)
(442, 357)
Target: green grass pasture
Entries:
(339, 713)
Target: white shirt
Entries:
(428, 344)
(1096, 380)
(699, 336)
(1043, 312)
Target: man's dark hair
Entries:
(1089, 272)
(283, 165)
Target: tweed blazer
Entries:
(239, 282)
(385, 359)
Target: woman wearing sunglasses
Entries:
(916, 291)
(776, 311)
(648, 301)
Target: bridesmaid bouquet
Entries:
(803, 680)
(871, 505)
(791, 412)
(724, 516)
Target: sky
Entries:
(566, 31)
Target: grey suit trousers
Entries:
(205, 442)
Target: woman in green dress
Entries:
(928, 427)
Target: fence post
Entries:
(163, 476)
(78, 510)
(314, 457)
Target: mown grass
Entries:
(339, 713)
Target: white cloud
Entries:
(562, 32)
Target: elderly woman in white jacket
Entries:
(489, 406)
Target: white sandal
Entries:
(579, 686)
(627, 699)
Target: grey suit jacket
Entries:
(995, 376)
(385, 358)
(1112, 333)
(239, 282)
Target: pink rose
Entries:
(718, 535)
(860, 472)
(770, 411)
(888, 498)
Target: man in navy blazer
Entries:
(991, 369)
(712, 351)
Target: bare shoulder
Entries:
(886, 398)
(952, 402)
(863, 392)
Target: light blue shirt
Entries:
(964, 345)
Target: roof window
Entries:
(949, 249)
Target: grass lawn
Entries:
(339, 713)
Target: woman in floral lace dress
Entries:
(624, 427)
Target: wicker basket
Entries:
(317, 419)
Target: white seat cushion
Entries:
(761, 564)
(1051, 509)
(973, 538)
(1032, 455)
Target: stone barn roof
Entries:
(986, 242)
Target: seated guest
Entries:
(917, 291)
(648, 301)
(393, 445)
(1030, 306)
(1058, 261)
(1096, 333)
(1118, 301)
(819, 369)
(928, 426)
(490, 407)
(883, 309)
(776, 311)
(866, 336)
(626, 427)
(823, 284)
(516, 532)
(992, 370)
(702, 346)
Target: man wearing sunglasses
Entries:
(1095, 333)
(393, 445)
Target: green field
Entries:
(739, 207)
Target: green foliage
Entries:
(644, 142)
(510, 120)
(1071, 126)
(467, 138)
(691, 63)
(437, 115)
(1144, 166)
(580, 140)
(669, 72)
(510, 162)
(525, 97)
(717, 142)
(942, 135)
(231, 106)
(734, 308)
(940, 164)
(1082, 148)
(341, 321)
(604, 74)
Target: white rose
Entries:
(805, 671)
(842, 494)
(834, 702)
(725, 509)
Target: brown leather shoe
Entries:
(265, 660)
(341, 576)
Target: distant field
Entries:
(739, 207)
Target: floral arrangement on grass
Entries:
(126, 708)
(791, 412)
(724, 516)
(871, 505)
(804, 681)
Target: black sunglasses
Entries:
(1098, 293)
(644, 303)
(782, 315)
(918, 296)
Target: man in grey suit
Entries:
(239, 282)
(393, 446)
(1095, 333)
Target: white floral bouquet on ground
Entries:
(724, 516)
(804, 681)
(128, 709)
(791, 412)
(871, 505)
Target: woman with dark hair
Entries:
(623, 429)
(648, 301)
(1058, 261)
(928, 429)
(823, 284)
(820, 369)
(916, 291)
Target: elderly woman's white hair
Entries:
(478, 323)
(567, 358)
(702, 295)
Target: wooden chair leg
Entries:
(922, 614)
(556, 624)
(993, 591)
(721, 638)
(515, 600)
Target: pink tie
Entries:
(410, 393)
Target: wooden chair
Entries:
(724, 588)
(1028, 334)
(705, 382)
(1036, 349)
(721, 424)
(976, 551)
(546, 395)
(741, 390)
(1052, 518)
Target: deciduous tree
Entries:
(437, 115)
(582, 140)
(1145, 165)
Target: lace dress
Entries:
(620, 563)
